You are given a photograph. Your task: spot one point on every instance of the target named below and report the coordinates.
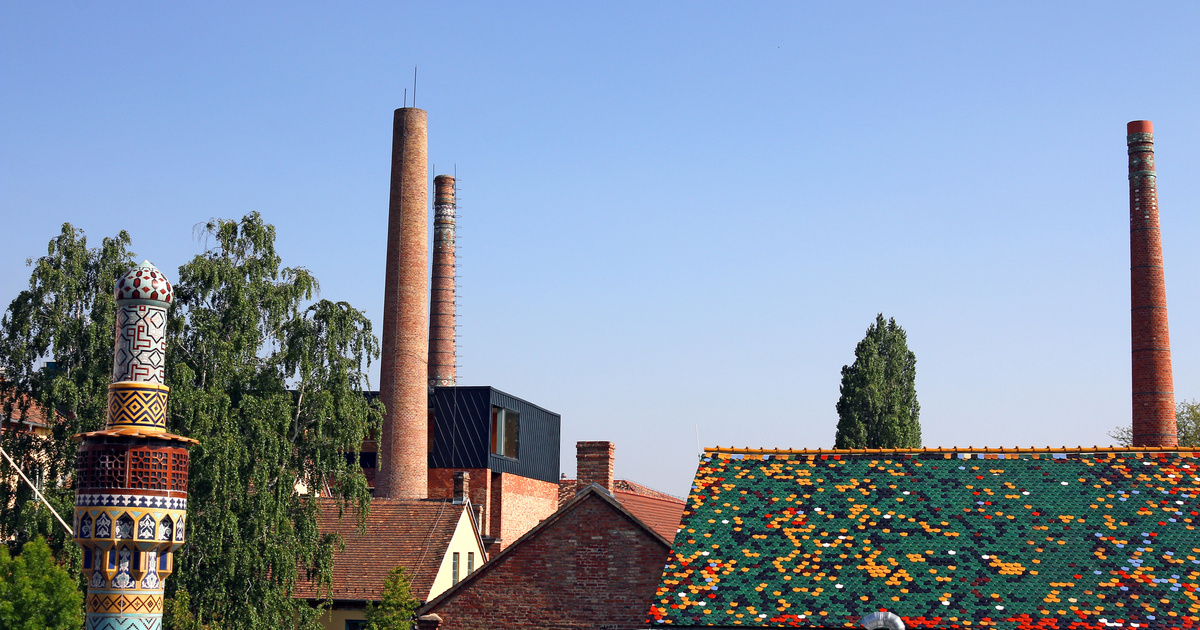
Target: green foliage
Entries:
(396, 605)
(177, 612)
(67, 315)
(273, 392)
(1187, 423)
(878, 407)
(35, 593)
(269, 382)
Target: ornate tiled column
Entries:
(131, 483)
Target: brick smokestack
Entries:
(403, 443)
(594, 464)
(1153, 389)
(441, 299)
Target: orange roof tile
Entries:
(412, 534)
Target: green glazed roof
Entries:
(1039, 540)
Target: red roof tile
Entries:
(412, 534)
(661, 515)
(658, 510)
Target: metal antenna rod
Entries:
(39, 494)
(405, 98)
(414, 86)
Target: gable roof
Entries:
(659, 510)
(412, 534)
(1014, 539)
(591, 493)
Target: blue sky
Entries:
(676, 219)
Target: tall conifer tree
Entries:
(878, 407)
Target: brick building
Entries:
(592, 564)
(435, 541)
(595, 463)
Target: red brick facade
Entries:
(1153, 389)
(403, 378)
(590, 565)
(508, 505)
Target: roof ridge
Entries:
(952, 449)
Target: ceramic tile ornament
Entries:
(1020, 539)
(131, 481)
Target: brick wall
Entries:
(524, 503)
(1153, 388)
(590, 567)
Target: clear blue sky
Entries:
(676, 218)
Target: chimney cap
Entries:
(1139, 126)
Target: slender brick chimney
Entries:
(403, 443)
(594, 464)
(462, 487)
(1153, 390)
(441, 299)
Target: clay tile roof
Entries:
(658, 510)
(949, 539)
(413, 534)
(661, 515)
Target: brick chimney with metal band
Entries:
(1153, 389)
(442, 294)
(403, 382)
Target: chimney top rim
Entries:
(1139, 126)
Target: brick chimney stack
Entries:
(1153, 389)
(462, 487)
(442, 296)
(403, 443)
(594, 464)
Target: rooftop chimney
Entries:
(403, 443)
(462, 487)
(441, 299)
(1153, 390)
(594, 464)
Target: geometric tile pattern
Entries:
(104, 602)
(141, 343)
(137, 404)
(126, 529)
(123, 622)
(1030, 540)
(130, 500)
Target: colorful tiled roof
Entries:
(1030, 539)
(412, 534)
(659, 510)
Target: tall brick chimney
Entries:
(594, 464)
(403, 443)
(441, 299)
(1153, 389)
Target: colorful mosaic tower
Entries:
(131, 483)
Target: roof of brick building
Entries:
(659, 510)
(412, 534)
(1021, 538)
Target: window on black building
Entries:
(506, 425)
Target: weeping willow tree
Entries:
(269, 381)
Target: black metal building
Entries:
(483, 427)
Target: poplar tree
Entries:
(270, 383)
(878, 405)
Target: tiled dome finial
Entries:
(144, 282)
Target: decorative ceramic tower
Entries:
(131, 484)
